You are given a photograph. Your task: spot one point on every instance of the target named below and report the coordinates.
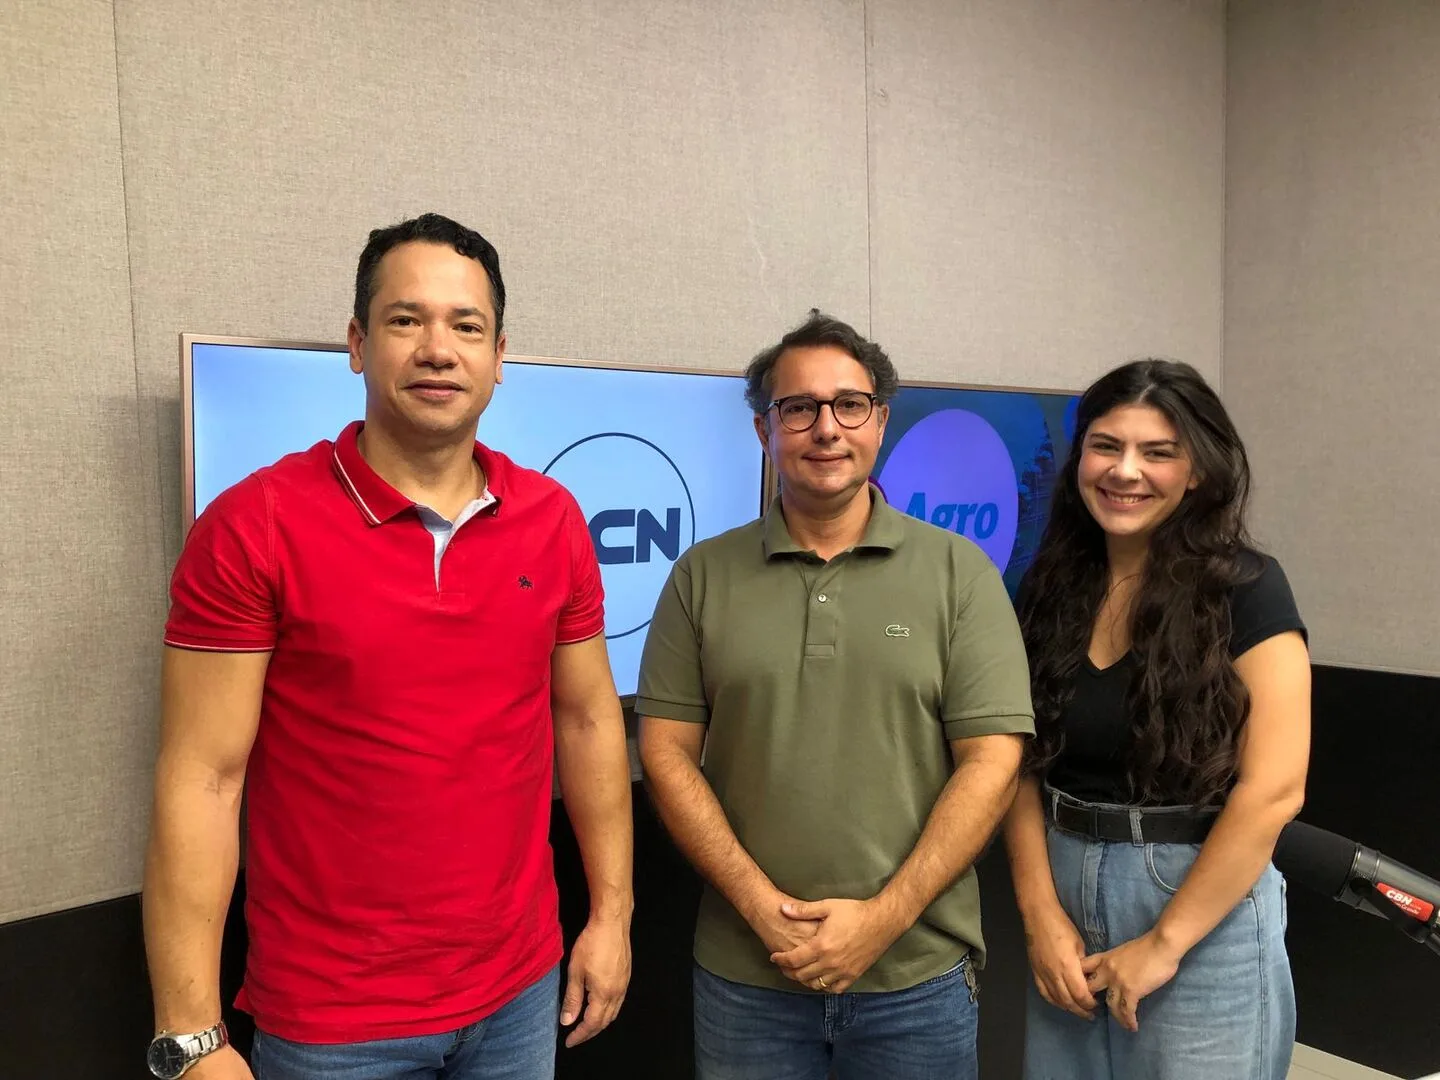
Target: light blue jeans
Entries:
(1229, 1012)
(515, 1043)
(926, 1032)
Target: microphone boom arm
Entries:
(1373, 899)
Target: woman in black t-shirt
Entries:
(1172, 704)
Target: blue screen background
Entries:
(253, 405)
(1036, 428)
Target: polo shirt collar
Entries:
(883, 532)
(375, 498)
(886, 527)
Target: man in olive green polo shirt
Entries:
(858, 684)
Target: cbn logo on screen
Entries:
(641, 517)
(649, 535)
(953, 470)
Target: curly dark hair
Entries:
(1187, 705)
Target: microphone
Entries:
(1361, 877)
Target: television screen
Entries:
(979, 461)
(656, 458)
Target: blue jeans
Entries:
(517, 1042)
(1229, 1012)
(926, 1032)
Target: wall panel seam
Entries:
(125, 220)
(1224, 191)
(865, 31)
(155, 524)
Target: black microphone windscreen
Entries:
(1315, 858)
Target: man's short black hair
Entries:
(820, 329)
(430, 229)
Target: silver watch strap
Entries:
(201, 1043)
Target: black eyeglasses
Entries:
(798, 412)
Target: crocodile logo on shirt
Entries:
(525, 582)
(896, 630)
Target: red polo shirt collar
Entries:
(375, 498)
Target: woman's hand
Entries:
(1056, 951)
(1130, 971)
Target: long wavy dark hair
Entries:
(1187, 704)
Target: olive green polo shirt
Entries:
(830, 690)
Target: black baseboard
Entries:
(1365, 991)
(652, 1036)
(84, 970)
(74, 1000)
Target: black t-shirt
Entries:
(1096, 724)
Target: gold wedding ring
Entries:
(821, 980)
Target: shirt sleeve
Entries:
(987, 676)
(672, 684)
(583, 615)
(1262, 608)
(222, 592)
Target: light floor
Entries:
(1311, 1064)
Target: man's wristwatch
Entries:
(170, 1055)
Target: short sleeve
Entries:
(987, 677)
(583, 615)
(672, 684)
(223, 592)
(1263, 608)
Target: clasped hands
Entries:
(1069, 979)
(826, 944)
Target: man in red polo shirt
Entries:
(388, 641)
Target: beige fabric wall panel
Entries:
(666, 183)
(1332, 316)
(1046, 185)
(77, 553)
(1034, 190)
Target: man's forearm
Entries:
(696, 822)
(189, 877)
(594, 773)
(960, 824)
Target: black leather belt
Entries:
(1156, 826)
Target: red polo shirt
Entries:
(399, 874)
